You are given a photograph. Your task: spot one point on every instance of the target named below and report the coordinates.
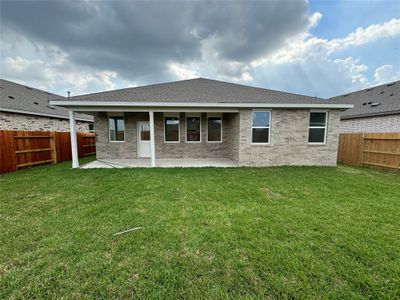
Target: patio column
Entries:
(74, 144)
(152, 143)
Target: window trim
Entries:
(318, 127)
(215, 116)
(269, 126)
(174, 115)
(197, 115)
(110, 115)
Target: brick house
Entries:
(376, 109)
(26, 108)
(209, 121)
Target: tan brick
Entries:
(289, 140)
(14, 121)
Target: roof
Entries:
(18, 98)
(193, 92)
(375, 101)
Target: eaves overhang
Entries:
(88, 105)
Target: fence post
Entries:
(362, 148)
(53, 147)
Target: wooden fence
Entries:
(371, 149)
(19, 149)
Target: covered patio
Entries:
(162, 163)
(143, 140)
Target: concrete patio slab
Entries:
(161, 163)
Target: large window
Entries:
(317, 129)
(261, 127)
(171, 129)
(116, 126)
(193, 129)
(214, 129)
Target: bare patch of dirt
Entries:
(271, 194)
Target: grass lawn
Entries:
(292, 232)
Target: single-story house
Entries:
(376, 109)
(26, 108)
(209, 120)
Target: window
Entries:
(116, 126)
(171, 129)
(193, 129)
(91, 127)
(144, 132)
(214, 129)
(260, 128)
(317, 130)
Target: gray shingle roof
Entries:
(24, 99)
(379, 100)
(199, 90)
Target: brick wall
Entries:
(128, 149)
(14, 121)
(289, 141)
(389, 123)
(193, 150)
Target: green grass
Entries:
(287, 232)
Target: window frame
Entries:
(318, 127)
(269, 126)
(94, 128)
(215, 116)
(111, 115)
(172, 115)
(187, 116)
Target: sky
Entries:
(317, 48)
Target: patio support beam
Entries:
(74, 144)
(152, 144)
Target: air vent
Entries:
(369, 102)
(375, 104)
(391, 94)
(345, 95)
(370, 89)
(390, 84)
(365, 103)
(27, 87)
(11, 97)
(382, 92)
(36, 103)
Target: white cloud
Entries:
(386, 73)
(307, 47)
(29, 70)
(56, 77)
(307, 63)
(370, 34)
(182, 71)
(353, 69)
(314, 19)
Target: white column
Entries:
(152, 144)
(74, 144)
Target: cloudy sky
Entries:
(317, 48)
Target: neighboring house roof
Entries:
(18, 98)
(195, 92)
(375, 101)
